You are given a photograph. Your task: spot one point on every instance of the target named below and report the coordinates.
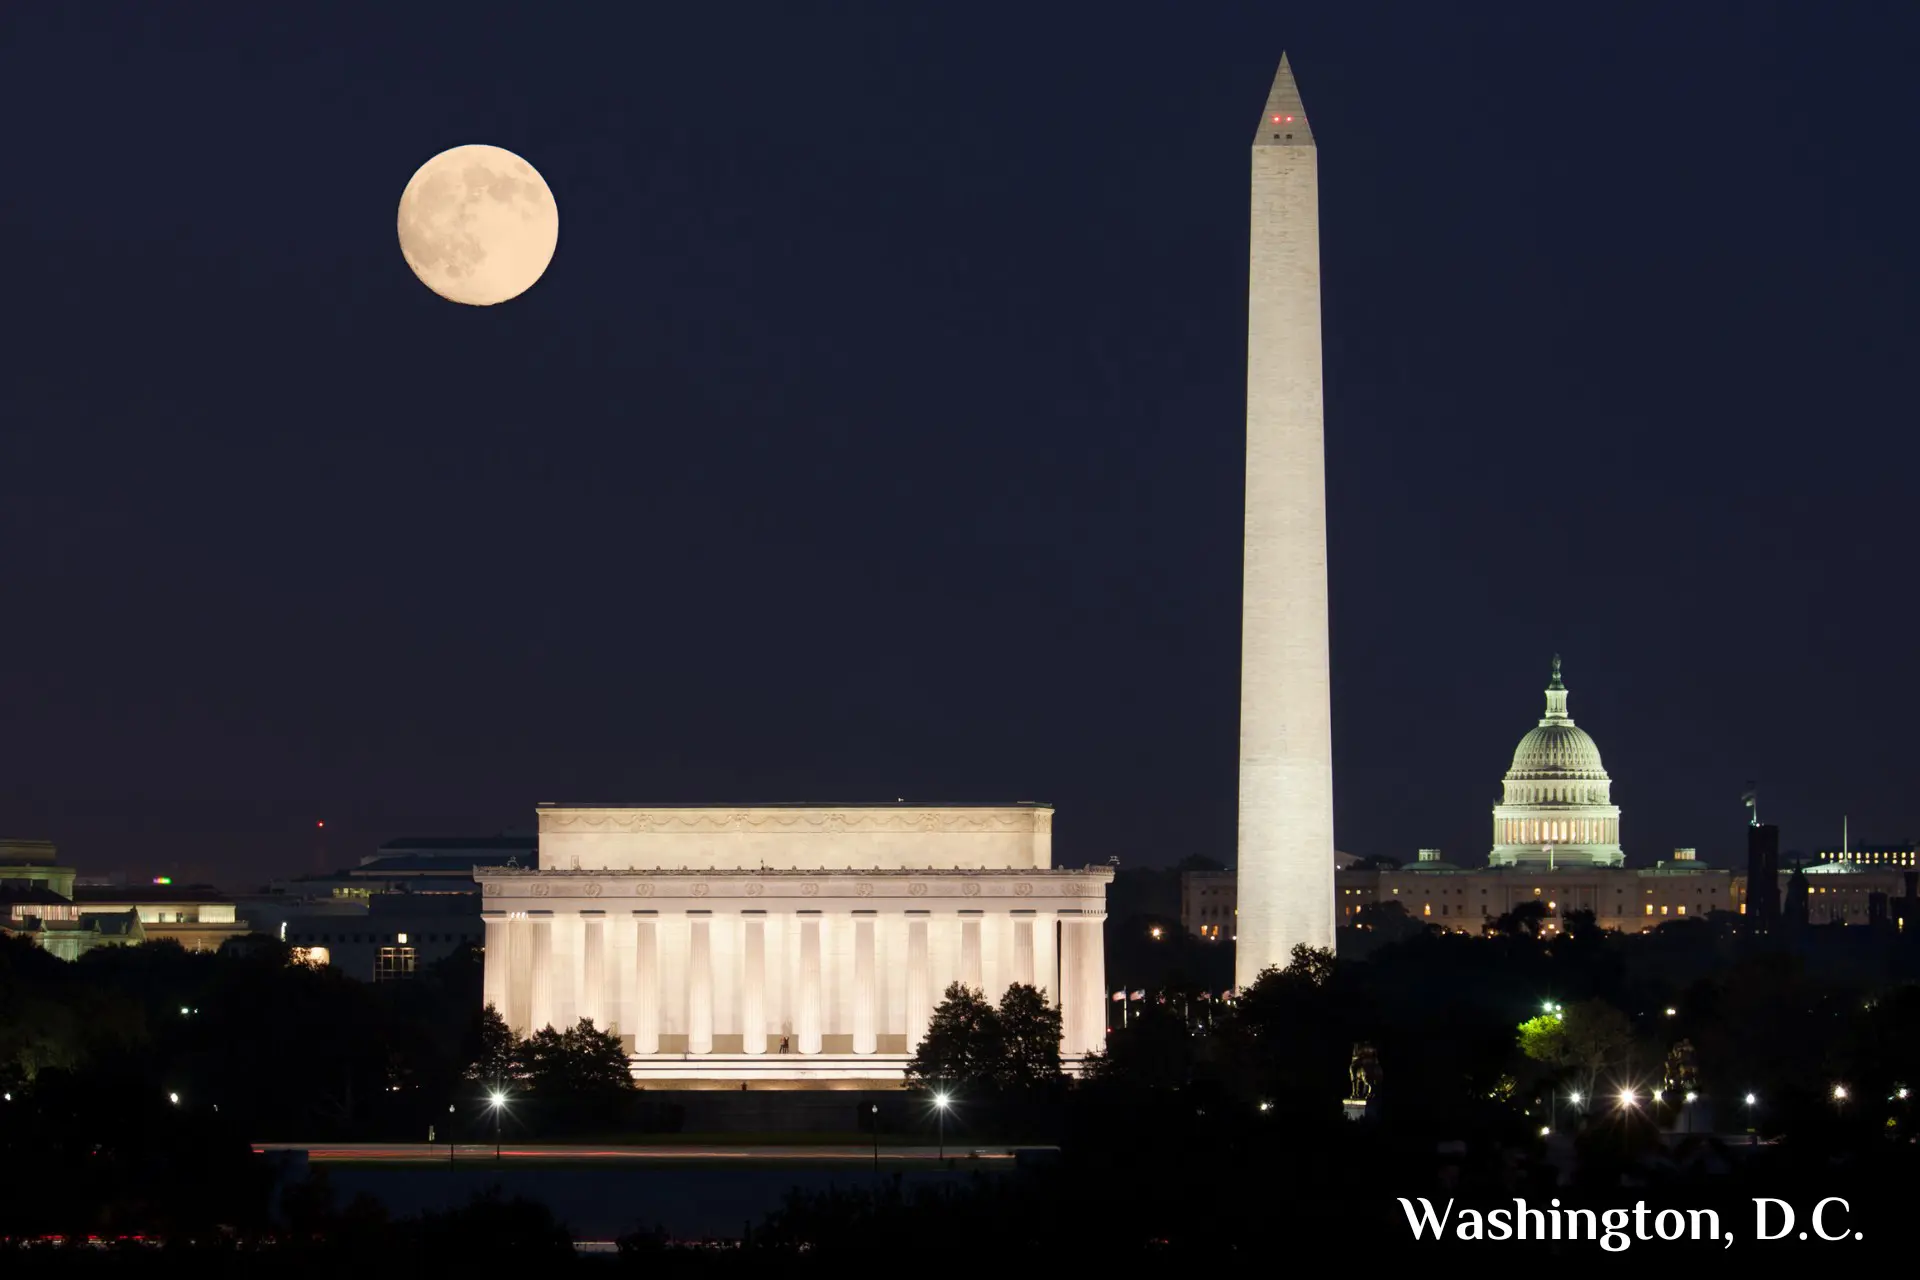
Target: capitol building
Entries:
(1557, 808)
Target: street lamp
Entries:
(174, 1098)
(1749, 1100)
(940, 1103)
(874, 1112)
(1626, 1099)
(498, 1100)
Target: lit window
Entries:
(1663, 911)
(1649, 908)
(1427, 909)
(1682, 909)
(393, 963)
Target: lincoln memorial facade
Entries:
(789, 943)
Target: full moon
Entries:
(478, 225)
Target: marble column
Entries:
(540, 1012)
(700, 986)
(1046, 956)
(865, 993)
(1099, 1004)
(519, 1010)
(809, 1011)
(753, 983)
(970, 952)
(919, 985)
(1023, 950)
(1071, 981)
(646, 984)
(494, 976)
(593, 967)
(565, 955)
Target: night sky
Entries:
(876, 431)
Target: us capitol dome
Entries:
(1556, 806)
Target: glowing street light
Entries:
(1574, 1097)
(1659, 1095)
(1672, 1012)
(941, 1102)
(1901, 1093)
(1692, 1096)
(174, 1098)
(1839, 1093)
(498, 1101)
(1154, 933)
(1626, 1098)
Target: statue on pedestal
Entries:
(1681, 1073)
(1363, 1072)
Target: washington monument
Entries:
(1285, 864)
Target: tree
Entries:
(1311, 965)
(582, 1061)
(1544, 1039)
(963, 1042)
(1525, 921)
(1389, 920)
(1591, 1035)
(1154, 1050)
(496, 1054)
(1029, 1040)
(1598, 1035)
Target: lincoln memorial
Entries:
(789, 944)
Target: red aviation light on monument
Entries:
(1283, 119)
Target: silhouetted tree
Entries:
(1525, 921)
(496, 1054)
(580, 1062)
(962, 1044)
(1028, 1040)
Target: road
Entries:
(421, 1153)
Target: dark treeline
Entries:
(1191, 1136)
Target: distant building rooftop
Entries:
(433, 864)
(427, 845)
(28, 853)
(146, 893)
(804, 804)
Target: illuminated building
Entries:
(411, 903)
(1556, 805)
(797, 943)
(40, 899)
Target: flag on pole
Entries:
(1139, 995)
(1119, 995)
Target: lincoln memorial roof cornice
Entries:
(801, 821)
(1102, 873)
